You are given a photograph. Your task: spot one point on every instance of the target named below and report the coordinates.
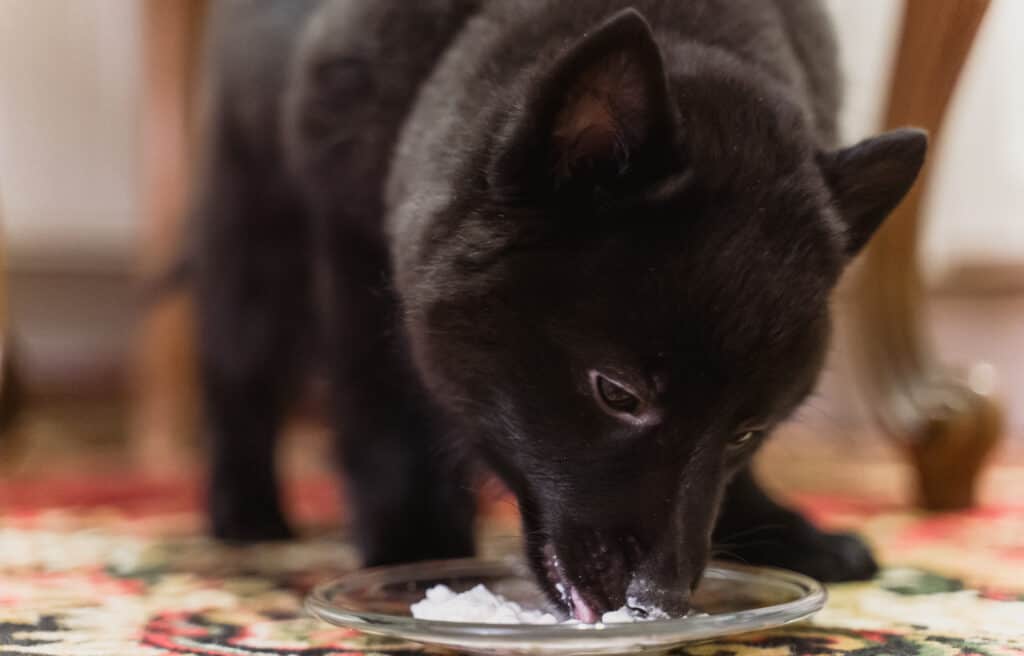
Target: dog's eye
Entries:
(615, 397)
(746, 438)
(623, 401)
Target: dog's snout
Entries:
(658, 599)
(662, 581)
(593, 572)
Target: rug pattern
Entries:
(111, 581)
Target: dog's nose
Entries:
(656, 599)
(663, 580)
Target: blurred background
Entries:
(92, 173)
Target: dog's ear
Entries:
(597, 114)
(868, 180)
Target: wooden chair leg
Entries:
(946, 426)
(11, 393)
(165, 401)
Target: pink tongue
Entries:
(581, 610)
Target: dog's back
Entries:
(377, 54)
(361, 61)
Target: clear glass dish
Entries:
(736, 599)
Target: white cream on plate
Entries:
(480, 605)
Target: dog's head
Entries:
(634, 293)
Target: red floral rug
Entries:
(120, 567)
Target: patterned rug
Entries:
(118, 567)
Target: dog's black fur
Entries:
(589, 243)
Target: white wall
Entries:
(69, 149)
(976, 199)
(69, 136)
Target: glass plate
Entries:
(736, 599)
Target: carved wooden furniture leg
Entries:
(10, 388)
(946, 424)
(165, 402)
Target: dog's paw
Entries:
(827, 557)
(834, 557)
(257, 530)
(414, 541)
(256, 523)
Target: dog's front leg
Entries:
(753, 528)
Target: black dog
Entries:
(590, 244)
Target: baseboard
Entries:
(73, 329)
(964, 279)
(981, 278)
